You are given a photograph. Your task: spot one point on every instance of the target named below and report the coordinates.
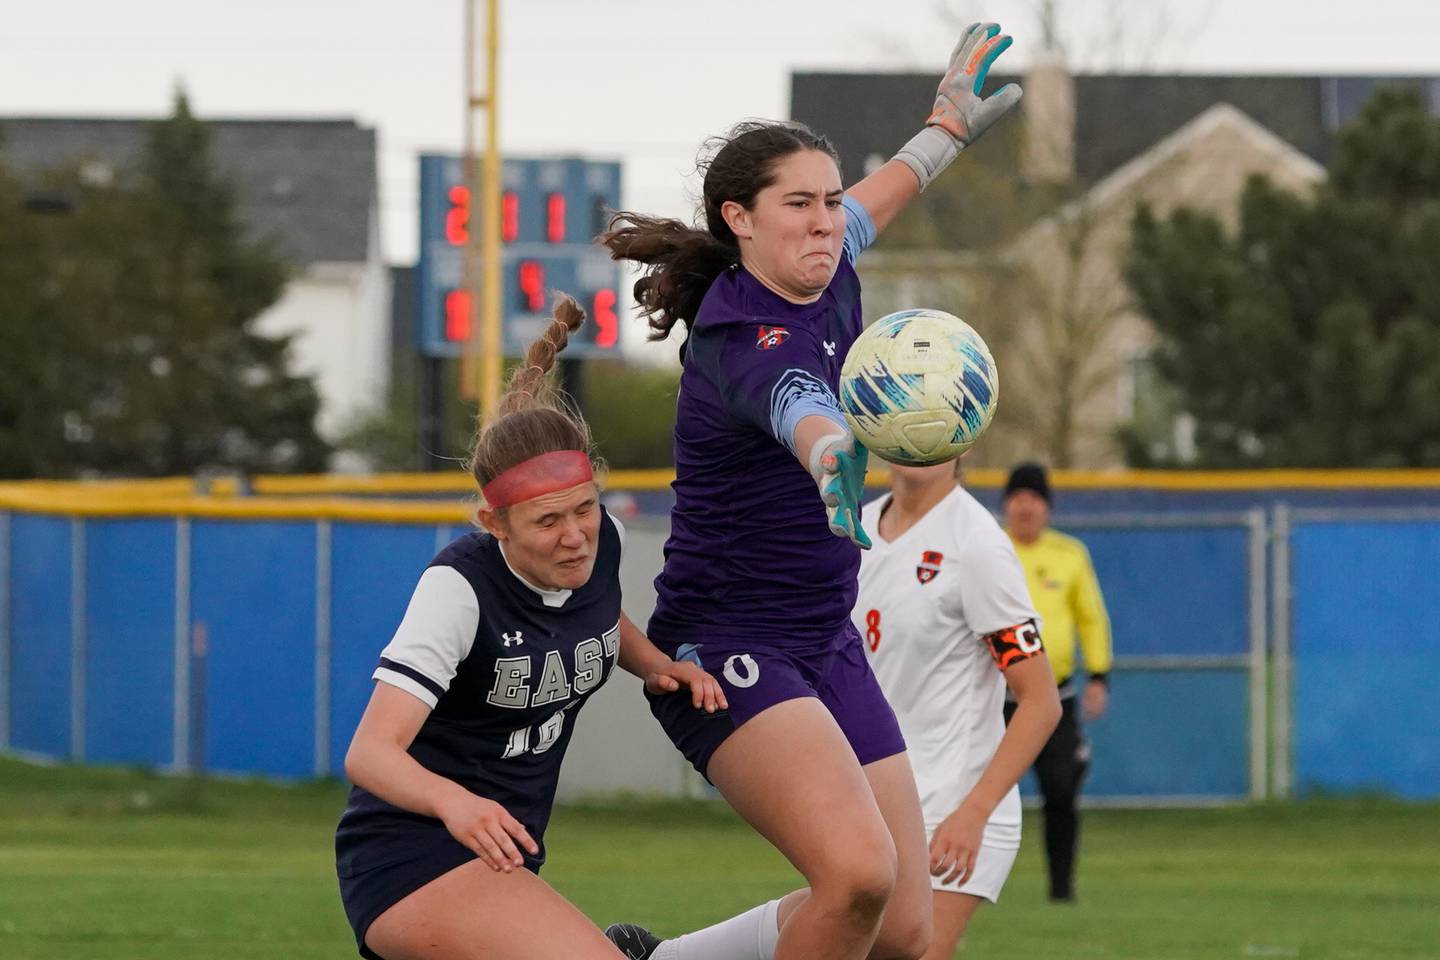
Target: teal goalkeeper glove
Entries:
(842, 484)
(960, 116)
(958, 110)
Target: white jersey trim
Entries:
(436, 633)
(400, 681)
(551, 598)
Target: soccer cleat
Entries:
(635, 942)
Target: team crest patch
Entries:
(768, 338)
(929, 567)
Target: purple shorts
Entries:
(756, 676)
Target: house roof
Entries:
(1120, 182)
(311, 184)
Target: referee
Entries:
(1067, 596)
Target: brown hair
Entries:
(533, 418)
(684, 260)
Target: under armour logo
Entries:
(517, 638)
(829, 346)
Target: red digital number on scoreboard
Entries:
(555, 218)
(509, 216)
(532, 285)
(458, 312)
(607, 325)
(457, 218)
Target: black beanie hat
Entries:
(1029, 476)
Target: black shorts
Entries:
(382, 860)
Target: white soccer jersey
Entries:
(927, 600)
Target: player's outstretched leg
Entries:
(792, 774)
(750, 936)
(633, 940)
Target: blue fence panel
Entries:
(130, 641)
(1174, 590)
(374, 568)
(1173, 733)
(1365, 611)
(253, 601)
(40, 634)
(1170, 734)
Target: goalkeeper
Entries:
(759, 576)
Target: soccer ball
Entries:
(919, 387)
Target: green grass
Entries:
(119, 864)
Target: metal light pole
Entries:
(481, 365)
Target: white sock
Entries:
(750, 936)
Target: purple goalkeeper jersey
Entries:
(750, 554)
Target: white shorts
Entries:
(992, 869)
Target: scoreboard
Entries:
(550, 212)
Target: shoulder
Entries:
(1064, 547)
(610, 526)
(979, 537)
(1064, 543)
(975, 523)
(468, 548)
(442, 586)
(720, 305)
(609, 553)
(845, 276)
(470, 556)
(844, 289)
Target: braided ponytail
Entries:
(530, 384)
(533, 418)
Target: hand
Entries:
(956, 844)
(959, 111)
(1094, 700)
(842, 484)
(486, 828)
(705, 690)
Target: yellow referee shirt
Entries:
(1067, 597)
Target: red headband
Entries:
(547, 473)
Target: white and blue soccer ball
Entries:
(919, 387)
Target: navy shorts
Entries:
(381, 861)
(756, 676)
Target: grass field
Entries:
(110, 864)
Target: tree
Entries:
(130, 322)
(1311, 337)
(1065, 299)
(631, 412)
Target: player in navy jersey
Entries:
(760, 568)
(456, 758)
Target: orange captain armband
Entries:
(1013, 644)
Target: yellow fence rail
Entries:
(450, 497)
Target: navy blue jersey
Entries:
(506, 667)
(750, 552)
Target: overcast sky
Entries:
(643, 81)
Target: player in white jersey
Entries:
(943, 604)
